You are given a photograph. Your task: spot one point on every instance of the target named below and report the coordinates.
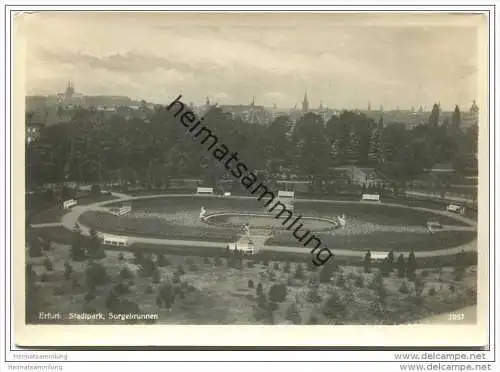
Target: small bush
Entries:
(313, 296)
(273, 306)
(313, 320)
(404, 288)
(180, 270)
(432, 291)
(286, 269)
(125, 274)
(340, 281)
(89, 297)
(160, 260)
(276, 266)
(250, 283)
(259, 290)
(176, 279)
(156, 276)
(47, 263)
(452, 288)
(293, 314)
(359, 282)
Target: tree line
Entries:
(155, 149)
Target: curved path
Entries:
(70, 219)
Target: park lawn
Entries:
(152, 227)
(53, 214)
(383, 241)
(221, 295)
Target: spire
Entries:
(305, 103)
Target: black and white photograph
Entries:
(253, 168)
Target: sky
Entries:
(341, 60)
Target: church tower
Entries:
(305, 104)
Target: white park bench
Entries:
(69, 203)
(116, 241)
(204, 191)
(370, 197)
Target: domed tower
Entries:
(474, 110)
(70, 89)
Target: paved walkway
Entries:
(69, 220)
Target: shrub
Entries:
(89, 297)
(121, 289)
(286, 269)
(68, 270)
(259, 290)
(340, 281)
(125, 274)
(138, 257)
(250, 283)
(432, 291)
(47, 263)
(176, 279)
(160, 260)
(313, 320)
(452, 288)
(299, 272)
(359, 282)
(167, 295)
(96, 275)
(262, 301)
(276, 266)
(272, 276)
(313, 296)
(293, 314)
(273, 306)
(156, 276)
(334, 307)
(458, 274)
(404, 288)
(278, 292)
(180, 270)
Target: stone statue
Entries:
(203, 212)
(342, 220)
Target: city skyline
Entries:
(344, 61)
